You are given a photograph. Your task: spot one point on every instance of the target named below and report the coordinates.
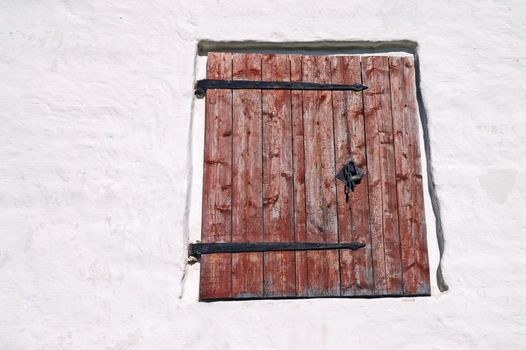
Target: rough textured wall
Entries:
(95, 110)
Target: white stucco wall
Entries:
(96, 159)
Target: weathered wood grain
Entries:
(353, 218)
(298, 161)
(278, 200)
(323, 273)
(215, 277)
(269, 175)
(381, 175)
(247, 196)
(415, 265)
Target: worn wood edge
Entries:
(375, 296)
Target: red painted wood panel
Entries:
(278, 200)
(215, 277)
(323, 275)
(269, 175)
(247, 195)
(353, 217)
(381, 176)
(415, 263)
(298, 160)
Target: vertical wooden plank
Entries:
(415, 264)
(298, 161)
(356, 269)
(278, 201)
(321, 225)
(381, 173)
(215, 277)
(247, 197)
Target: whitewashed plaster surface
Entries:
(96, 161)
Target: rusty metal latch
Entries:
(351, 176)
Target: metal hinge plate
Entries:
(202, 85)
(198, 249)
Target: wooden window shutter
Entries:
(270, 160)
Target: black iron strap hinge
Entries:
(202, 85)
(197, 249)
